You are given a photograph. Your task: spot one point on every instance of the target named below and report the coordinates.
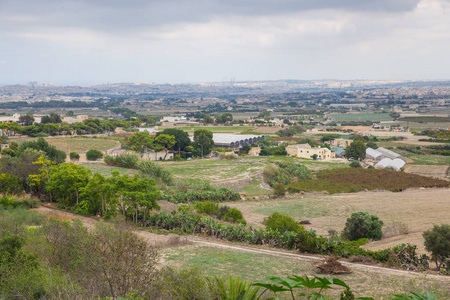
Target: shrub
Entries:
(282, 223)
(437, 241)
(93, 154)
(234, 215)
(361, 224)
(129, 161)
(74, 156)
(279, 190)
(355, 164)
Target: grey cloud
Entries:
(116, 15)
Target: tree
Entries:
(26, 120)
(42, 145)
(65, 182)
(182, 139)
(372, 145)
(437, 241)
(314, 156)
(10, 184)
(224, 118)
(165, 141)
(203, 142)
(357, 150)
(208, 119)
(9, 152)
(93, 154)
(361, 224)
(140, 142)
(52, 118)
(69, 113)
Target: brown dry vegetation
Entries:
(417, 210)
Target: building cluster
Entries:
(384, 158)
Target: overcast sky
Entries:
(97, 41)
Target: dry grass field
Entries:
(412, 210)
(253, 266)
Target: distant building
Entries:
(174, 119)
(254, 151)
(234, 140)
(382, 153)
(341, 143)
(161, 155)
(338, 152)
(348, 105)
(152, 131)
(306, 151)
(77, 119)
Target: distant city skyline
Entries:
(81, 42)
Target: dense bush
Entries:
(129, 161)
(222, 212)
(355, 164)
(93, 154)
(50, 151)
(74, 156)
(218, 195)
(361, 224)
(347, 180)
(285, 173)
(282, 223)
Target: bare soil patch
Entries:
(267, 129)
(441, 172)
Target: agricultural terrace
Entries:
(254, 266)
(375, 117)
(406, 215)
(221, 172)
(76, 144)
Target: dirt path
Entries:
(172, 240)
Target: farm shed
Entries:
(390, 154)
(396, 164)
(339, 152)
(234, 140)
(373, 154)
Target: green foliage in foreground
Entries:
(348, 180)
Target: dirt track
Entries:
(172, 240)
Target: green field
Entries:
(255, 267)
(107, 170)
(422, 159)
(429, 119)
(361, 117)
(76, 144)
